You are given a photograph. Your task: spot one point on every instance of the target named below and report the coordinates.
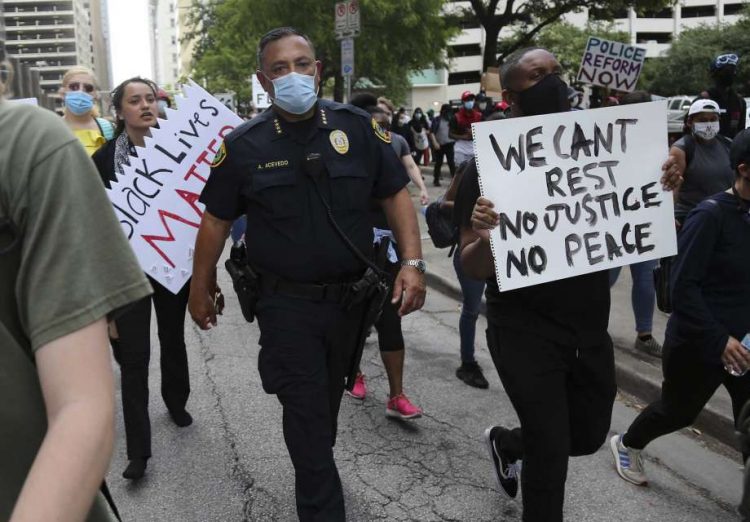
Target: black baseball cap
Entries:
(740, 151)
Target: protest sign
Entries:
(577, 192)
(611, 64)
(156, 198)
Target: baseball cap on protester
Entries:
(725, 60)
(740, 151)
(467, 95)
(704, 106)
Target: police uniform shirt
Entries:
(262, 170)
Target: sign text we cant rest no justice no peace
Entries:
(577, 192)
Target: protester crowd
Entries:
(549, 343)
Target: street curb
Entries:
(710, 421)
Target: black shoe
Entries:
(182, 418)
(506, 471)
(436, 182)
(135, 470)
(472, 375)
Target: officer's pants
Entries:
(133, 352)
(305, 350)
(563, 396)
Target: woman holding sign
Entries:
(549, 342)
(135, 102)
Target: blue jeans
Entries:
(472, 291)
(642, 294)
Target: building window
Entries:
(663, 13)
(733, 9)
(464, 77)
(599, 14)
(661, 38)
(698, 11)
(456, 51)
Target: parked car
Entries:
(677, 108)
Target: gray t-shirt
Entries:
(441, 134)
(399, 144)
(708, 172)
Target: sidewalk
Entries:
(638, 374)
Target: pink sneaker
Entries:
(359, 391)
(401, 408)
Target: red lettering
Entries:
(203, 158)
(212, 145)
(193, 172)
(151, 240)
(226, 129)
(191, 198)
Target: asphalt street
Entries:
(232, 464)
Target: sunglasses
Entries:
(727, 59)
(77, 86)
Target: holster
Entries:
(244, 280)
(373, 290)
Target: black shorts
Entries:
(390, 337)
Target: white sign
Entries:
(227, 99)
(156, 198)
(261, 100)
(347, 56)
(577, 192)
(611, 64)
(346, 19)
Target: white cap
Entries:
(704, 106)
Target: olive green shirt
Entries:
(71, 266)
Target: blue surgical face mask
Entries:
(468, 105)
(294, 92)
(79, 102)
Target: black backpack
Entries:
(440, 226)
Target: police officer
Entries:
(283, 169)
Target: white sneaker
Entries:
(628, 462)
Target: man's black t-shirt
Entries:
(732, 104)
(569, 311)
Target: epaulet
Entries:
(244, 127)
(336, 106)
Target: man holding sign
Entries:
(548, 335)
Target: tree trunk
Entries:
(492, 31)
(338, 88)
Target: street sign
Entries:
(227, 99)
(261, 100)
(346, 19)
(347, 56)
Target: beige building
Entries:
(54, 35)
(655, 32)
(165, 45)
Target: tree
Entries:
(685, 68)
(569, 42)
(396, 38)
(531, 16)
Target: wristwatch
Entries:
(419, 264)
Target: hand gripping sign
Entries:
(577, 192)
(156, 199)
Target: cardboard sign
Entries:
(611, 64)
(577, 192)
(156, 199)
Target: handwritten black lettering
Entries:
(533, 147)
(517, 154)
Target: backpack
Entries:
(440, 226)
(106, 128)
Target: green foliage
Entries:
(529, 17)
(396, 39)
(685, 68)
(568, 42)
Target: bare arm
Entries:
(402, 219)
(677, 161)
(416, 177)
(75, 374)
(209, 244)
(476, 254)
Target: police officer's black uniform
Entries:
(265, 170)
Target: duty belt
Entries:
(331, 292)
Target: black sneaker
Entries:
(506, 472)
(471, 374)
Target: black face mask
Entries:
(545, 97)
(725, 77)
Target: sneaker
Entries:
(506, 472)
(401, 407)
(648, 345)
(359, 391)
(471, 374)
(628, 462)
